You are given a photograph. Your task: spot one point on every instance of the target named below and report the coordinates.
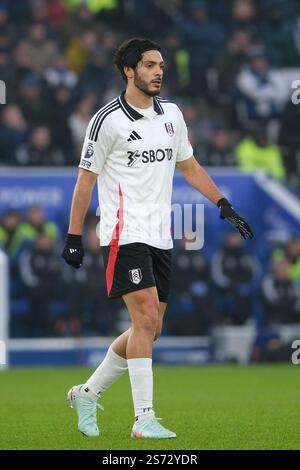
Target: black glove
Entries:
(227, 212)
(73, 252)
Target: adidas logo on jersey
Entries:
(133, 136)
(72, 250)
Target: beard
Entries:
(144, 86)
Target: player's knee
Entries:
(148, 315)
(158, 330)
(157, 334)
(149, 320)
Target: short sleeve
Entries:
(96, 146)
(185, 150)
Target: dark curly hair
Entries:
(131, 51)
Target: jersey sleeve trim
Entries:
(99, 118)
(85, 165)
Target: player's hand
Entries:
(73, 252)
(227, 212)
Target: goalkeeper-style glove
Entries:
(227, 212)
(73, 252)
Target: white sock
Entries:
(141, 379)
(111, 368)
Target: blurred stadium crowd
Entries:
(230, 287)
(230, 66)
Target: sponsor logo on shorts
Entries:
(135, 275)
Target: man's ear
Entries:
(129, 72)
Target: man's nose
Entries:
(159, 71)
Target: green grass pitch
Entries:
(209, 407)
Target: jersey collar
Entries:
(132, 114)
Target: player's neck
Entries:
(138, 99)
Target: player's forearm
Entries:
(80, 204)
(203, 183)
(198, 177)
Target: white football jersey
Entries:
(134, 156)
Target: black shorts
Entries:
(136, 266)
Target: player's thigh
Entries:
(143, 307)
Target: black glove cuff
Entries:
(223, 202)
(73, 239)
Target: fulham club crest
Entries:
(169, 128)
(135, 275)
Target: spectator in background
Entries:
(192, 292)
(62, 103)
(291, 252)
(89, 309)
(177, 62)
(231, 59)
(256, 153)
(193, 122)
(277, 36)
(41, 274)
(234, 272)
(6, 71)
(33, 103)
(21, 66)
(261, 90)
(295, 27)
(79, 50)
(8, 27)
(3, 16)
(281, 296)
(39, 49)
(6, 66)
(39, 12)
(35, 224)
(78, 122)
(39, 151)
(148, 17)
(109, 40)
(9, 234)
(57, 13)
(79, 21)
(243, 15)
(58, 74)
(5, 40)
(13, 130)
(97, 74)
(201, 37)
(220, 151)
